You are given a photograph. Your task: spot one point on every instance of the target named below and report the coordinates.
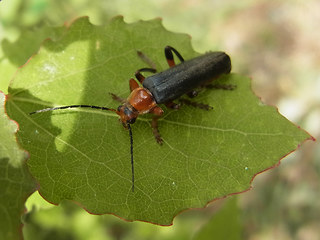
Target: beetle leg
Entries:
(117, 98)
(168, 50)
(146, 59)
(195, 93)
(155, 130)
(221, 86)
(195, 104)
(172, 105)
(140, 77)
(157, 111)
(192, 93)
(133, 84)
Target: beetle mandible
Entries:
(163, 88)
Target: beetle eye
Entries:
(119, 108)
(127, 111)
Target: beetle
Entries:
(163, 88)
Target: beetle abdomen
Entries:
(184, 77)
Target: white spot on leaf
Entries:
(49, 69)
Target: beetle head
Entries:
(127, 114)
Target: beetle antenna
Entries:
(72, 106)
(131, 152)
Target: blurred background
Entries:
(276, 43)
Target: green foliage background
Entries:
(271, 46)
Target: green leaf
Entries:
(84, 154)
(15, 54)
(16, 183)
(28, 43)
